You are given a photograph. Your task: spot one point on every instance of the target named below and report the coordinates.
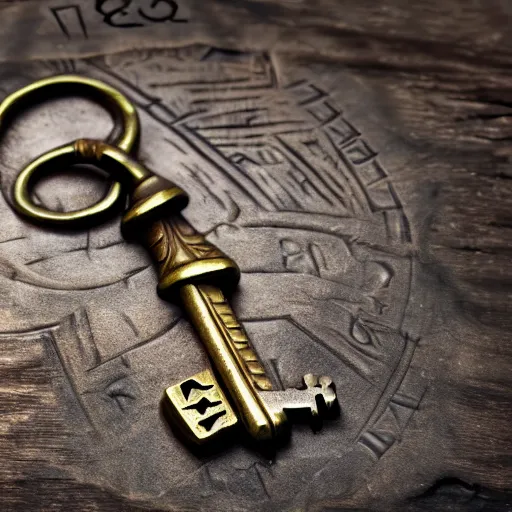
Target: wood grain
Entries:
(436, 80)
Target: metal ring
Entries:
(120, 108)
(59, 157)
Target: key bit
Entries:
(314, 402)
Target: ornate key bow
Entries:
(192, 272)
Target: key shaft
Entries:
(258, 421)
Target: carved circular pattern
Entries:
(282, 181)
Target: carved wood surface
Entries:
(353, 158)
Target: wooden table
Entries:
(354, 158)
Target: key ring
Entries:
(125, 117)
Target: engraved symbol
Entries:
(391, 424)
(70, 21)
(170, 15)
(202, 405)
(124, 14)
(188, 386)
(120, 394)
(198, 408)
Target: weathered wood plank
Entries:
(419, 95)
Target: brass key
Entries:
(262, 411)
(196, 273)
(192, 272)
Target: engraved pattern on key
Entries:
(236, 333)
(176, 242)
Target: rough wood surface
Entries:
(428, 87)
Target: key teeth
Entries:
(310, 380)
(326, 398)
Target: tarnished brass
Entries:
(122, 111)
(181, 253)
(214, 330)
(198, 408)
(192, 272)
